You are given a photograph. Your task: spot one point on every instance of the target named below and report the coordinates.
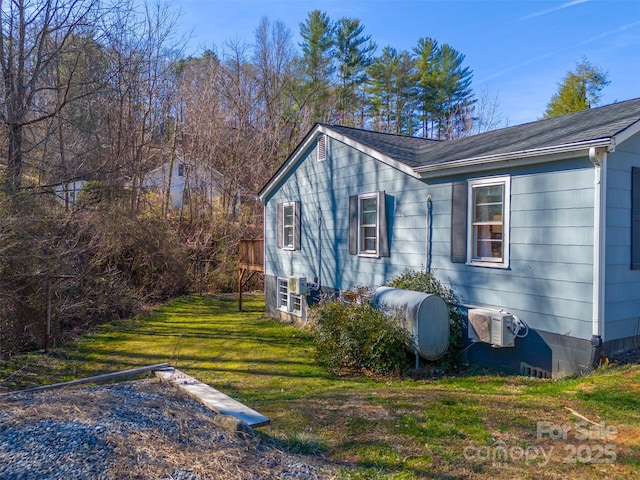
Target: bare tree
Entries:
(487, 114)
(34, 35)
(136, 105)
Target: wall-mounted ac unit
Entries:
(491, 326)
(297, 285)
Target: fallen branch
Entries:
(97, 378)
(582, 417)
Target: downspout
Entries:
(319, 277)
(429, 233)
(264, 245)
(598, 157)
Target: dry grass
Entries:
(378, 428)
(155, 432)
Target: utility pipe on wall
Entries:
(598, 157)
(429, 233)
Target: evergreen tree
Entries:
(406, 103)
(353, 53)
(427, 53)
(316, 64)
(381, 91)
(391, 92)
(456, 96)
(445, 94)
(579, 90)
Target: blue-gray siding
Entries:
(324, 189)
(548, 284)
(622, 285)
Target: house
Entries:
(183, 181)
(535, 225)
(68, 193)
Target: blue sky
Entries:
(518, 49)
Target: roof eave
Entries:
(626, 133)
(518, 158)
(283, 171)
(319, 129)
(403, 167)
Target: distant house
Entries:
(535, 226)
(184, 179)
(69, 193)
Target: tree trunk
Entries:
(13, 181)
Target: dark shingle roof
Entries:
(593, 124)
(401, 148)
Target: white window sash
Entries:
(288, 229)
(474, 257)
(362, 251)
(287, 301)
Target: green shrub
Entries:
(428, 283)
(355, 337)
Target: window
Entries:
(287, 301)
(296, 304)
(368, 221)
(288, 226)
(488, 218)
(287, 232)
(368, 225)
(184, 169)
(283, 294)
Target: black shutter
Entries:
(353, 225)
(635, 218)
(383, 239)
(279, 226)
(459, 222)
(297, 224)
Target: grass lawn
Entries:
(476, 426)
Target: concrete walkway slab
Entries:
(212, 398)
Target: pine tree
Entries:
(353, 54)
(391, 92)
(579, 90)
(445, 94)
(317, 33)
(427, 53)
(456, 97)
(381, 91)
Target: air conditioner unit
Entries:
(491, 326)
(297, 285)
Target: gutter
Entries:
(486, 162)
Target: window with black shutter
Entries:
(368, 233)
(288, 225)
(480, 215)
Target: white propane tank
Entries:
(424, 315)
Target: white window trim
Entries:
(280, 283)
(505, 181)
(361, 251)
(290, 297)
(293, 226)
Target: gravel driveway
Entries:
(144, 429)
